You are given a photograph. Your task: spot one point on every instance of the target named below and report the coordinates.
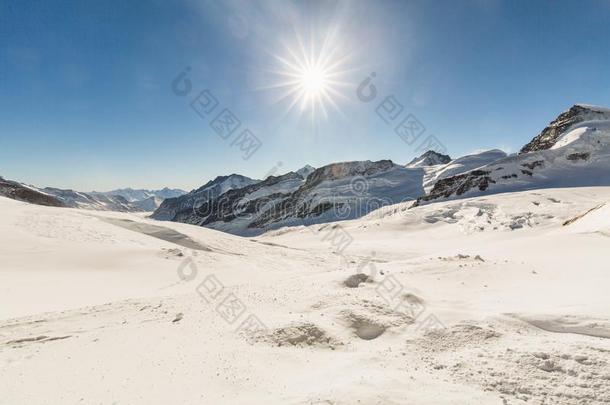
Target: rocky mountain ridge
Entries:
(573, 151)
(577, 114)
(336, 191)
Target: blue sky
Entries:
(86, 98)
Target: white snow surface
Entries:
(106, 307)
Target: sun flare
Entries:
(314, 81)
(312, 77)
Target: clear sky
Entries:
(86, 96)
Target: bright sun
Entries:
(313, 81)
(311, 77)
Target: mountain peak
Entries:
(592, 107)
(305, 171)
(429, 158)
(564, 122)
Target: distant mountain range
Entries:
(125, 200)
(573, 150)
(338, 191)
(23, 192)
(132, 195)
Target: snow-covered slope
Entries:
(467, 163)
(494, 300)
(574, 151)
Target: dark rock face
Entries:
(578, 156)
(533, 165)
(18, 191)
(578, 113)
(458, 185)
(337, 171)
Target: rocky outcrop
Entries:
(457, 185)
(575, 115)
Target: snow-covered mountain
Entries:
(460, 165)
(132, 195)
(305, 171)
(149, 204)
(75, 199)
(334, 192)
(213, 189)
(98, 202)
(573, 151)
(430, 158)
(342, 191)
(437, 166)
(337, 191)
(570, 119)
(235, 210)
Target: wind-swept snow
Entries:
(490, 300)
